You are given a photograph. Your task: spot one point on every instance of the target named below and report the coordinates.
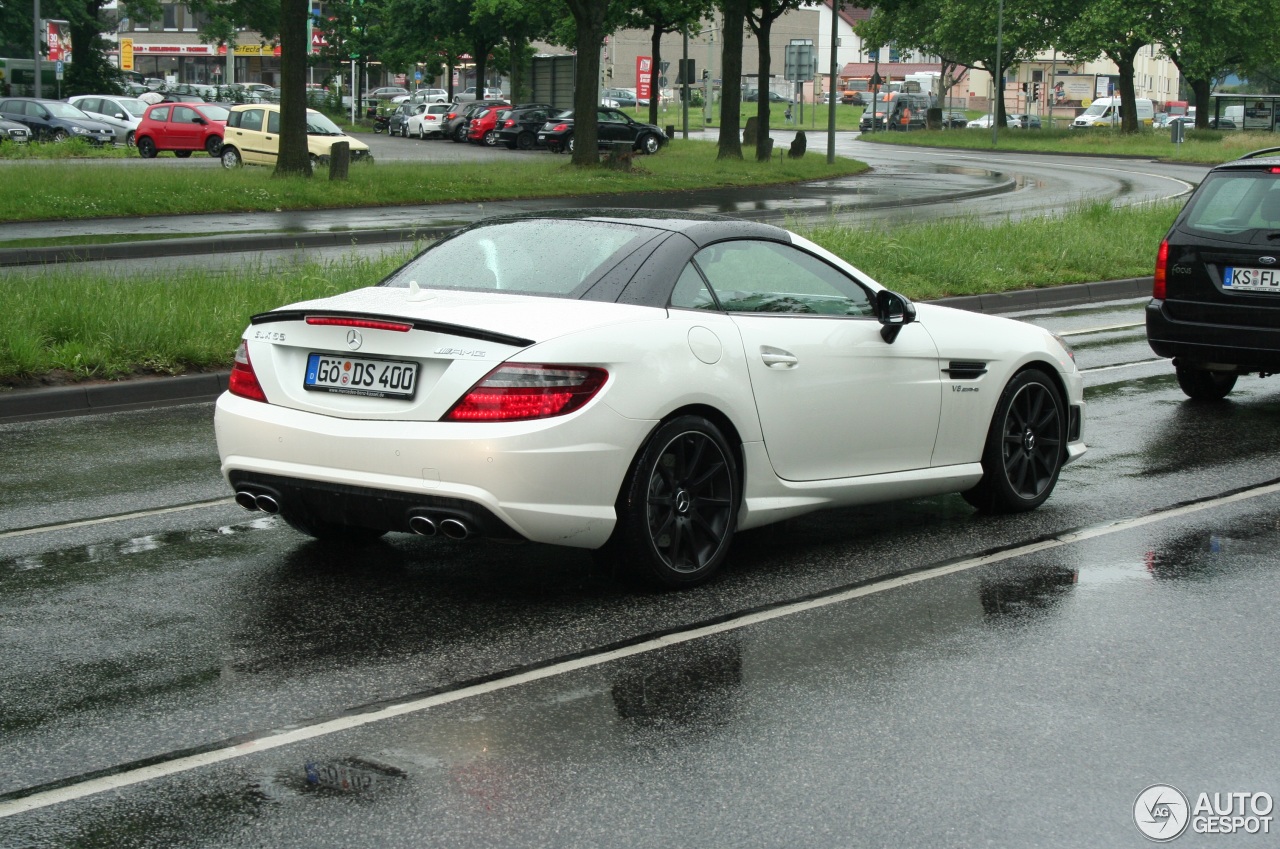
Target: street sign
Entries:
(57, 70)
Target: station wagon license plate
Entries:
(1251, 279)
(360, 376)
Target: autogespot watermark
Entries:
(1162, 813)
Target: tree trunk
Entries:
(1128, 93)
(294, 158)
(730, 142)
(1201, 89)
(589, 15)
(764, 144)
(655, 74)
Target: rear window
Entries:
(1236, 202)
(525, 257)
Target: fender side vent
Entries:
(965, 370)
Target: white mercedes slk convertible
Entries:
(643, 383)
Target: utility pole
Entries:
(35, 28)
(831, 95)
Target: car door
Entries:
(835, 399)
(185, 129)
(250, 137)
(614, 128)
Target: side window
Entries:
(160, 114)
(184, 114)
(758, 276)
(273, 122)
(691, 291)
(233, 119)
(251, 119)
(90, 104)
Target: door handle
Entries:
(778, 358)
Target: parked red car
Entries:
(182, 128)
(484, 127)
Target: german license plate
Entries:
(360, 376)
(1251, 279)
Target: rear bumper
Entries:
(553, 481)
(1248, 348)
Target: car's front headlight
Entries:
(80, 131)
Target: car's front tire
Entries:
(230, 157)
(679, 505)
(146, 148)
(1025, 446)
(650, 144)
(128, 139)
(59, 136)
(1201, 384)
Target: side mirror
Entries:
(198, 120)
(120, 116)
(894, 311)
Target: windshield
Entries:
(531, 257)
(133, 107)
(214, 113)
(319, 125)
(65, 110)
(1096, 109)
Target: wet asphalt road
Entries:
(902, 675)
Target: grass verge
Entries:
(1200, 146)
(67, 325)
(38, 192)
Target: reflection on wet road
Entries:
(940, 712)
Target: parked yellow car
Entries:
(252, 137)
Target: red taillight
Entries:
(1160, 279)
(508, 123)
(362, 323)
(517, 392)
(560, 128)
(243, 381)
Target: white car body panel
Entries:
(428, 122)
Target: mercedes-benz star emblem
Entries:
(354, 341)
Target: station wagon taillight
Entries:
(1160, 278)
(517, 392)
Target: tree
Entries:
(1208, 39)
(520, 22)
(593, 20)
(761, 18)
(1117, 29)
(661, 17)
(730, 139)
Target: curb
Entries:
(145, 393)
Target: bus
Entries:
(18, 78)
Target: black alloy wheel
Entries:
(213, 146)
(679, 507)
(1025, 446)
(146, 148)
(1201, 384)
(525, 140)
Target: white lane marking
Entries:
(123, 517)
(1097, 369)
(1106, 329)
(103, 784)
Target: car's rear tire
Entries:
(230, 157)
(679, 505)
(1025, 447)
(568, 144)
(182, 154)
(460, 135)
(213, 146)
(525, 141)
(331, 531)
(491, 138)
(1201, 384)
(146, 148)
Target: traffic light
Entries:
(1024, 88)
(1036, 92)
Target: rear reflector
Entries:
(520, 392)
(1160, 279)
(362, 323)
